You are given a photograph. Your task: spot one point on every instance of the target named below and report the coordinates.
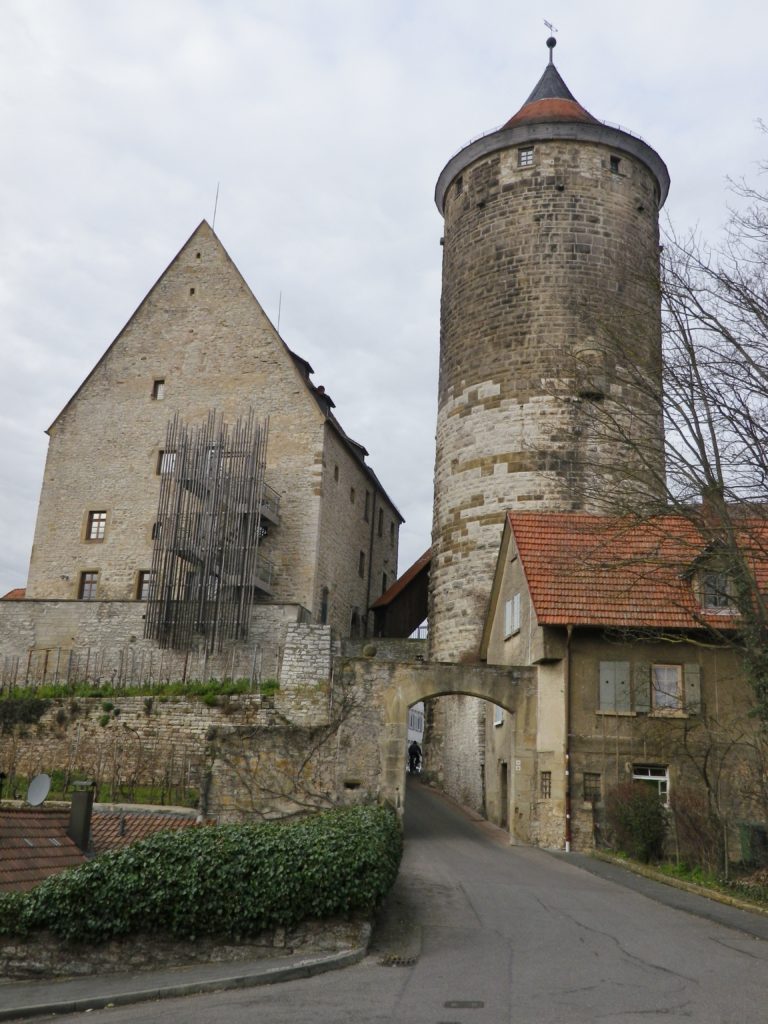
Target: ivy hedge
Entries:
(230, 880)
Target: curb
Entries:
(680, 883)
(304, 968)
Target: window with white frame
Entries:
(653, 775)
(512, 616)
(498, 715)
(525, 156)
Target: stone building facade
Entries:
(200, 343)
(550, 328)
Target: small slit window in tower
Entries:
(525, 156)
(361, 564)
(367, 511)
(158, 389)
(380, 527)
(615, 165)
(336, 474)
(459, 185)
(352, 495)
(384, 582)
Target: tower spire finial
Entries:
(551, 42)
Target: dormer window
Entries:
(716, 591)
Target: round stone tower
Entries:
(550, 338)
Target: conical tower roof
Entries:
(552, 112)
(551, 100)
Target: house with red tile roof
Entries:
(630, 626)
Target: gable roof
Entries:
(592, 570)
(402, 582)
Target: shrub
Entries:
(636, 820)
(229, 880)
(698, 829)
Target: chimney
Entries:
(80, 817)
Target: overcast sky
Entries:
(326, 123)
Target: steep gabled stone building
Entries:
(200, 349)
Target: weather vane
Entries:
(551, 42)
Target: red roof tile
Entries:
(111, 830)
(616, 572)
(402, 581)
(18, 594)
(33, 845)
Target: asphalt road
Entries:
(478, 932)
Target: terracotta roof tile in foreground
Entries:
(17, 594)
(615, 572)
(111, 830)
(33, 845)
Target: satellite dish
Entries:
(38, 790)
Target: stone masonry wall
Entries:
(54, 641)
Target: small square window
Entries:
(525, 156)
(143, 585)
(97, 526)
(592, 788)
(158, 389)
(166, 462)
(88, 583)
(615, 165)
(546, 785)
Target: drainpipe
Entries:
(568, 835)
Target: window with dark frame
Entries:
(716, 590)
(89, 582)
(143, 584)
(592, 788)
(97, 525)
(615, 165)
(380, 527)
(158, 389)
(459, 185)
(525, 156)
(384, 582)
(546, 785)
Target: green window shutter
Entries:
(692, 682)
(614, 686)
(623, 698)
(642, 681)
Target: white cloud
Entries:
(326, 125)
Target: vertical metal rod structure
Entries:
(205, 555)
